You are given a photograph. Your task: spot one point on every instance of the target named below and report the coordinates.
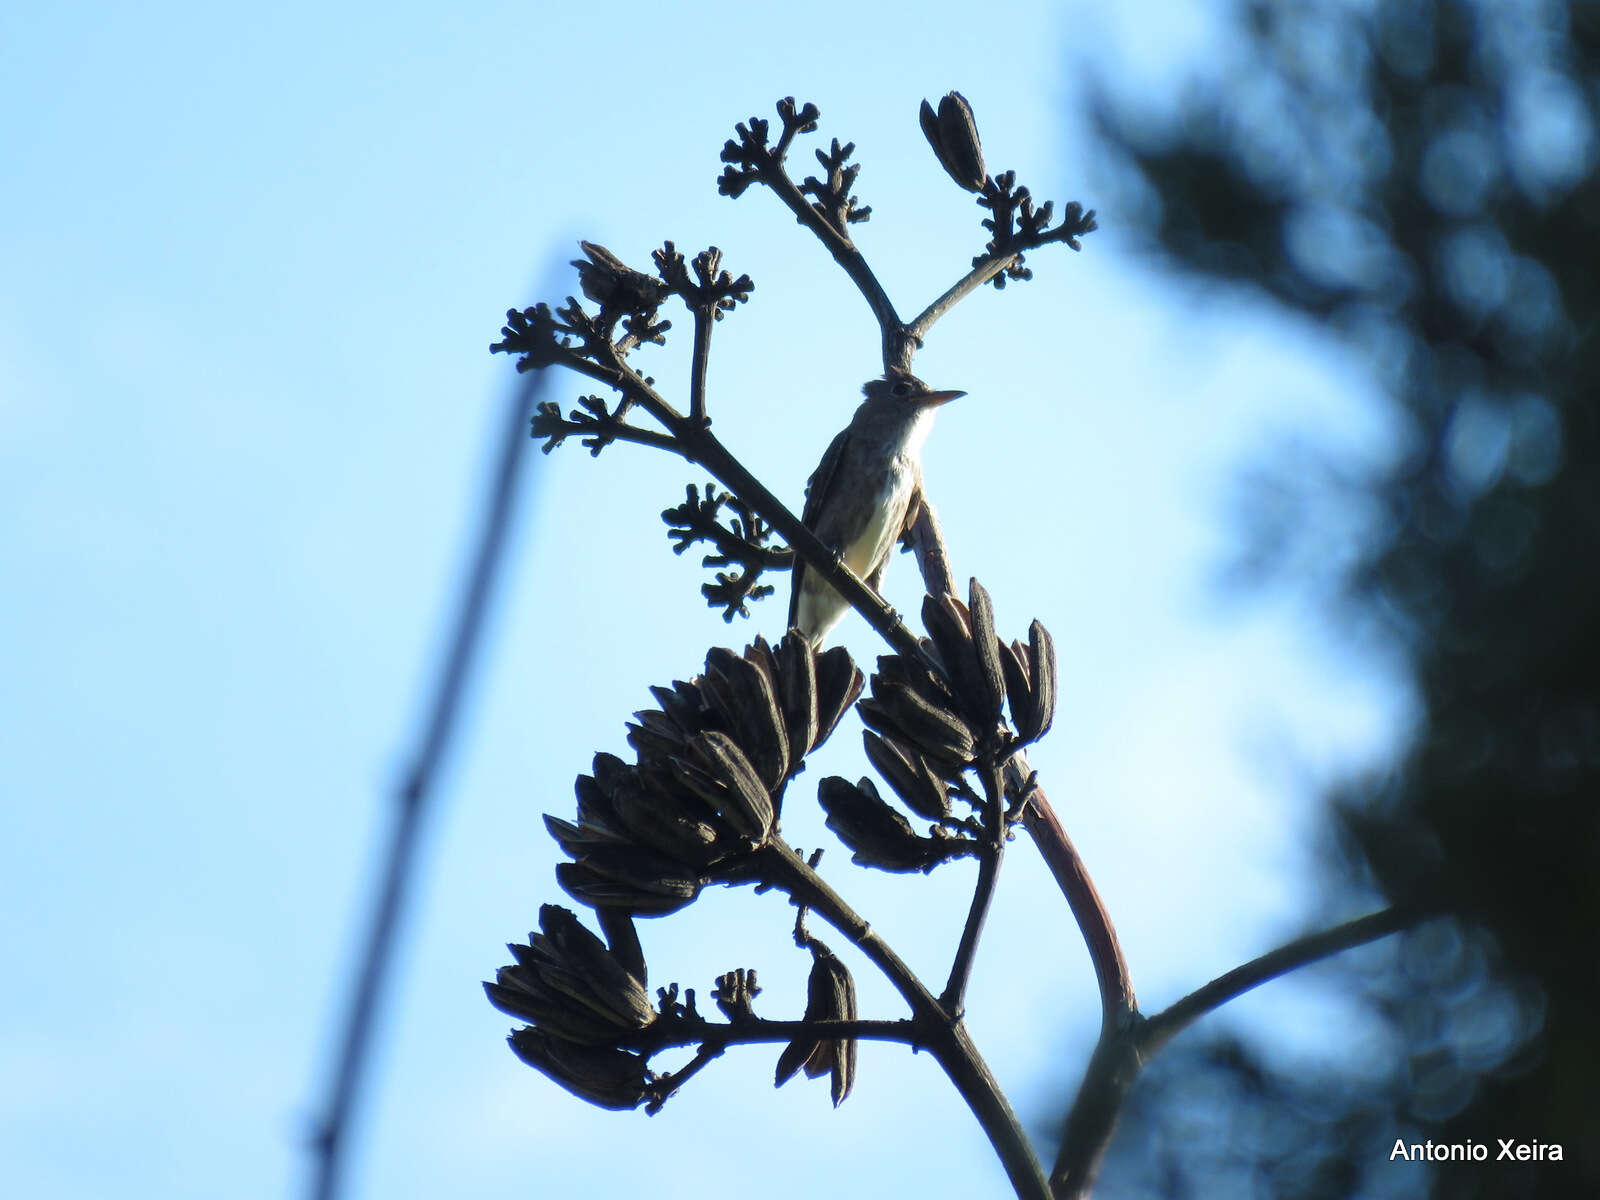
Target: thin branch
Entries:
(1039, 818)
(987, 269)
(794, 876)
(1121, 1054)
(1115, 1062)
(595, 433)
(965, 1068)
(704, 319)
(702, 447)
(696, 521)
(694, 441)
(414, 797)
(989, 857)
(741, 544)
(1066, 866)
(927, 540)
(664, 1087)
(770, 170)
(1113, 1068)
(687, 1031)
(611, 369)
(1004, 254)
(708, 295)
(1160, 1029)
(949, 1042)
(636, 389)
(735, 549)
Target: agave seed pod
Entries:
(520, 996)
(830, 996)
(977, 695)
(839, 682)
(1042, 671)
(903, 713)
(760, 652)
(716, 691)
(654, 735)
(595, 811)
(1019, 687)
(566, 946)
(577, 840)
(629, 877)
(953, 134)
(926, 680)
(609, 770)
(795, 671)
(658, 819)
(921, 790)
(769, 707)
(567, 992)
(602, 1075)
(877, 835)
(719, 774)
(568, 983)
(1031, 683)
(581, 995)
(742, 693)
(747, 804)
(986, 645)
(602, 893)
(683, 703)
(649, 746)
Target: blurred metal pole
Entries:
(415, 793)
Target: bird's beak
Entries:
(934, 399)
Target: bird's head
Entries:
(900, 390)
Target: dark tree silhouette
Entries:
(1421, 177)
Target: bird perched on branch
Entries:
(865, 493)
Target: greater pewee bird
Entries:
(865, 493)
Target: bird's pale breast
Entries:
(866, 547)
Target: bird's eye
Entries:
(902, 388)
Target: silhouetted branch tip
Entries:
(834, 202)
(708, 289)
(743, 541)
(1017, 226)
(735, 994)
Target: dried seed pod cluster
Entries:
(927, 727)
(707, 788)
(579, 999)
(948, 717)
(568, 982)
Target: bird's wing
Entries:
(816, 492)
(905, 537)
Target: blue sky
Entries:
(253, 262)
